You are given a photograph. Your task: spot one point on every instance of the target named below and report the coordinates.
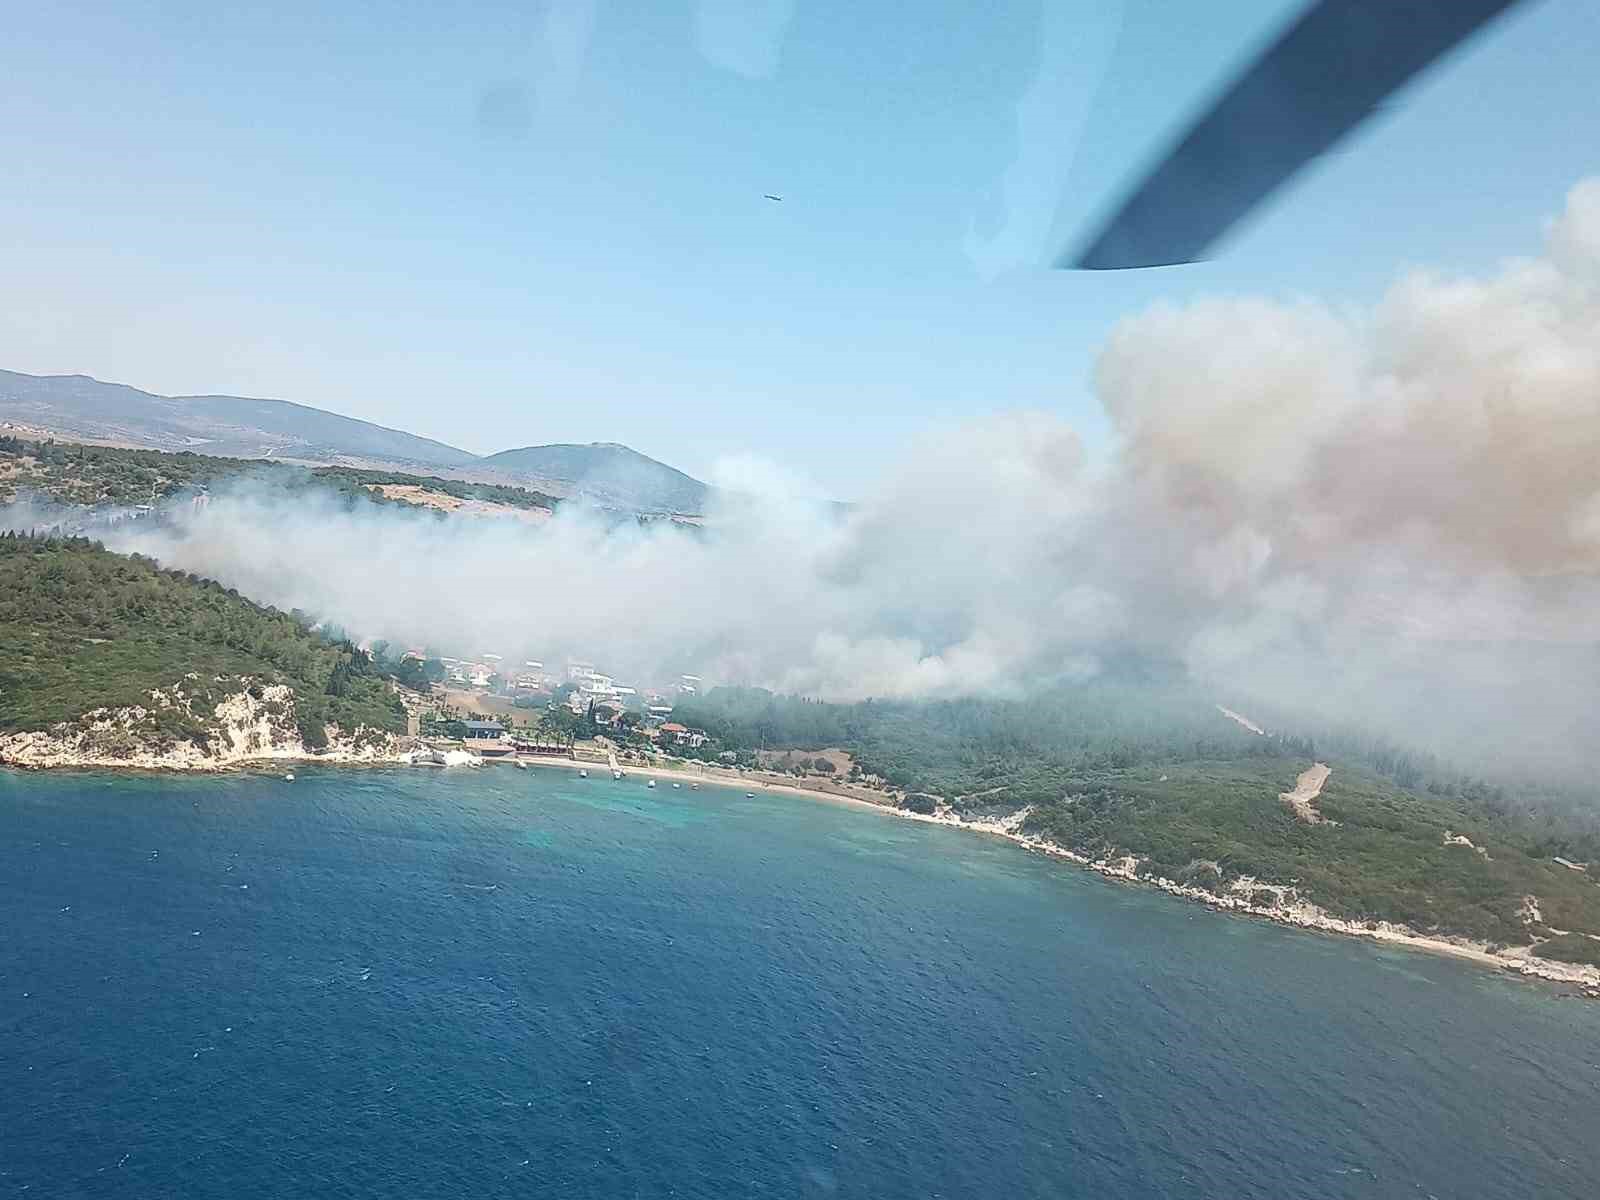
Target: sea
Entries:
(459, 983)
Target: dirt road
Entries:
(1306, 789)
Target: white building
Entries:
(693, 738)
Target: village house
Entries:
(682, 735)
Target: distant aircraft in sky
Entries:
(770, 196)
(1326, 74)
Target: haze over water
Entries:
(506, 983)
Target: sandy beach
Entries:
(749, 781)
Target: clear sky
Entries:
(500, 224)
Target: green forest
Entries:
(963, 748)
(82, 628)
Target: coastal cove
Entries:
(1242, 899)
(519, 982)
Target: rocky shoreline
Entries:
(1288, 907)
(253, 725)
(343, 752)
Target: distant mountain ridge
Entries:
(77, 407)
(229, 426)
(606, 472)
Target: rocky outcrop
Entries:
(176, 731)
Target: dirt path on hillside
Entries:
(1306, 789)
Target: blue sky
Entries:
(502, 224)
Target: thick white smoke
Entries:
(915, 592)
(1393, 513)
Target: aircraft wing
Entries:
(1326, 74)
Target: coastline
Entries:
(1298, 914)
(251, 726)
(192, 762)
(1290, 910)
(1295, 913)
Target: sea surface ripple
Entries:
(505, 983)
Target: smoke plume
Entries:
(1392, 514)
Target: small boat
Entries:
(652, 783)
(749, 795)
(677, 785)
(583, 774)
(521, 766)
(288, 776)
(616, 774)
(694, 787)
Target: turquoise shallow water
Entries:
(507, 983)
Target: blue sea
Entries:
(420, 984)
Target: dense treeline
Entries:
(418, 674)
(102, 475)
(82, 628)
(494, 493)
(956, 748)
(74, 474)
(1562, 812)
(1380, 855)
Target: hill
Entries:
(1155, 777)
(78, 407)
(606, 473)
(109, 658)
